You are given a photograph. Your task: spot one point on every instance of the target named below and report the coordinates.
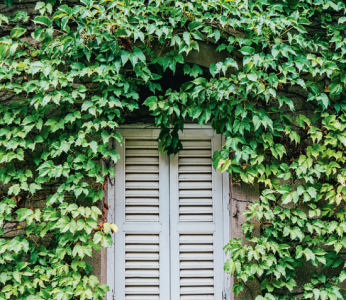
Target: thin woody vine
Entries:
(277, 94)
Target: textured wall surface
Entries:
(241, 195)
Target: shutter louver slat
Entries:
(143, 193)
(199, 297)
(194, 161)
(190, 185)
(141, 181)
(195, 169)
(146, 210)
(194, 282)
(196, 177)
(137, 177)
(198, 144)
(150, 297)
(149, 144)
(197, 202)
(142, 281)
(196, 273)
(141, 152)
(142, 185)
(196, 153)
(142, 160)
(142, 169)
(143, 201)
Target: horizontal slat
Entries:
(195, 185)
(143, 290)
(142, 152)
(196, 265)
(142, 256)
(138, 185)
(197, 290)
(142, 193)
(196, 248)
(142, 210)
(141, 143)
(193, 297)
(142, 281)
(142, 177)
(142, 161)
(141, 265)
(195, 133)
(195, 177)
(196, 281)
(144, 297)
(195, 209)
(141, 273)
(195, 153)
(194, 161)
(196, 218)
(142, 169)
(195, 193)
(202, 144)
(197, 273)
(142, 201)
(196, 201)
(197, 256)
(195, 169)
(142, 239)
(142, 218)
(142, 248)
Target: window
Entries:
(171, 214)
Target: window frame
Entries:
(147, 131)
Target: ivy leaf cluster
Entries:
(277, 94)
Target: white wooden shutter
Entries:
(196, 219)
(142, 215)
(170, 217)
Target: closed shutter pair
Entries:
(170, 215)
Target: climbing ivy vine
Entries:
(277, 95)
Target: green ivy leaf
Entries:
(3, 50)
(18, 31)
(17, 276)
(187, 38)
(43, 20)
(247, 50)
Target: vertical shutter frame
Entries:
(139, 235)
(203, 234)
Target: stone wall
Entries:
(241, 195)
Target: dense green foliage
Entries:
(87, 68)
